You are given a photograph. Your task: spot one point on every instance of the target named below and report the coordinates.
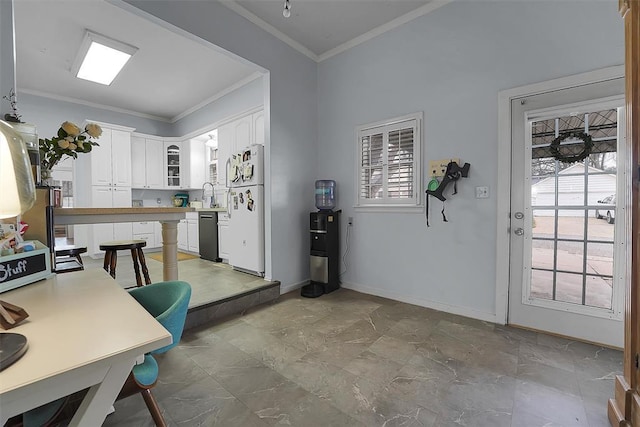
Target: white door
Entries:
(567, 267)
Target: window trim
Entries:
(416, 205)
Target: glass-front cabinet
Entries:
(173, 163)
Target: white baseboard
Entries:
(454, 309)
(288, 288)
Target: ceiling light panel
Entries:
(100, 58)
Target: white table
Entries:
(168, 217)
(83, 330)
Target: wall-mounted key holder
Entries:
(452, 174)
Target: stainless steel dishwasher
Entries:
(208, 235)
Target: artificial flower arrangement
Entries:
(70, 141)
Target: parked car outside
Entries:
(608, 213)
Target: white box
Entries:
(24, 268)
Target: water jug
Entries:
(325, 194)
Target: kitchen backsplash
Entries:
(162, 198)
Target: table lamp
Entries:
(16, 179)
(18, 196)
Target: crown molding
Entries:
(269, 28)
(92, 104)
(400, 20)
(226, 91)
(174, 119)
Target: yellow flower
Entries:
(71, 128)
(80, 145)
(94, 130)
(72, 146)
(64, 144)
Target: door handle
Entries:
(519, 232)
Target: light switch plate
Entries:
(482, 192)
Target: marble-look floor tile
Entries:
(348, 359)
(206, 402)
(562, 408)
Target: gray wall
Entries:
(291, 113)
(451, 64)
(47, 114)
(242, 99)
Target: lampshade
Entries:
(16, 180)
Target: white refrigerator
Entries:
(245, 206)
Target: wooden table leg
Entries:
(169, 250)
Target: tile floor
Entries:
(350, 359)
(210, 281)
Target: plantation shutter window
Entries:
(389, 155)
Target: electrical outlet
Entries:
(482, 192)
(439, 167)
(350, 220)
(159, 200)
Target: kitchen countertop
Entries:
(136, 210)
(218, 209)
(64, 216)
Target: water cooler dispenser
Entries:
(324, 233)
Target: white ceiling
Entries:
(170, 75)
(323, 25)
(167, 76)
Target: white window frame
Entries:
(413, 204)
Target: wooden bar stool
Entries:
(111, 257)
(68, 258)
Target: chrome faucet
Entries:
(212, 202)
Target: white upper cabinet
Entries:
(235, 136)
(258, 127)
(154, 152)
(173, 161)
(243, 132)
(111, 160)
(225, 148)
(147, 158)
(194, 173)
(138, 156)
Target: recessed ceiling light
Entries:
(100, 58)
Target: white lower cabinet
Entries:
(223, 235)
(109, 197)
(145, 231)
(193, 239)
(188, 238)
(157, 233)
(183, 237)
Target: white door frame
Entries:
(503, 186)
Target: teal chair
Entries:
(168, 303)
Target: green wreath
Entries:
(572, 158)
